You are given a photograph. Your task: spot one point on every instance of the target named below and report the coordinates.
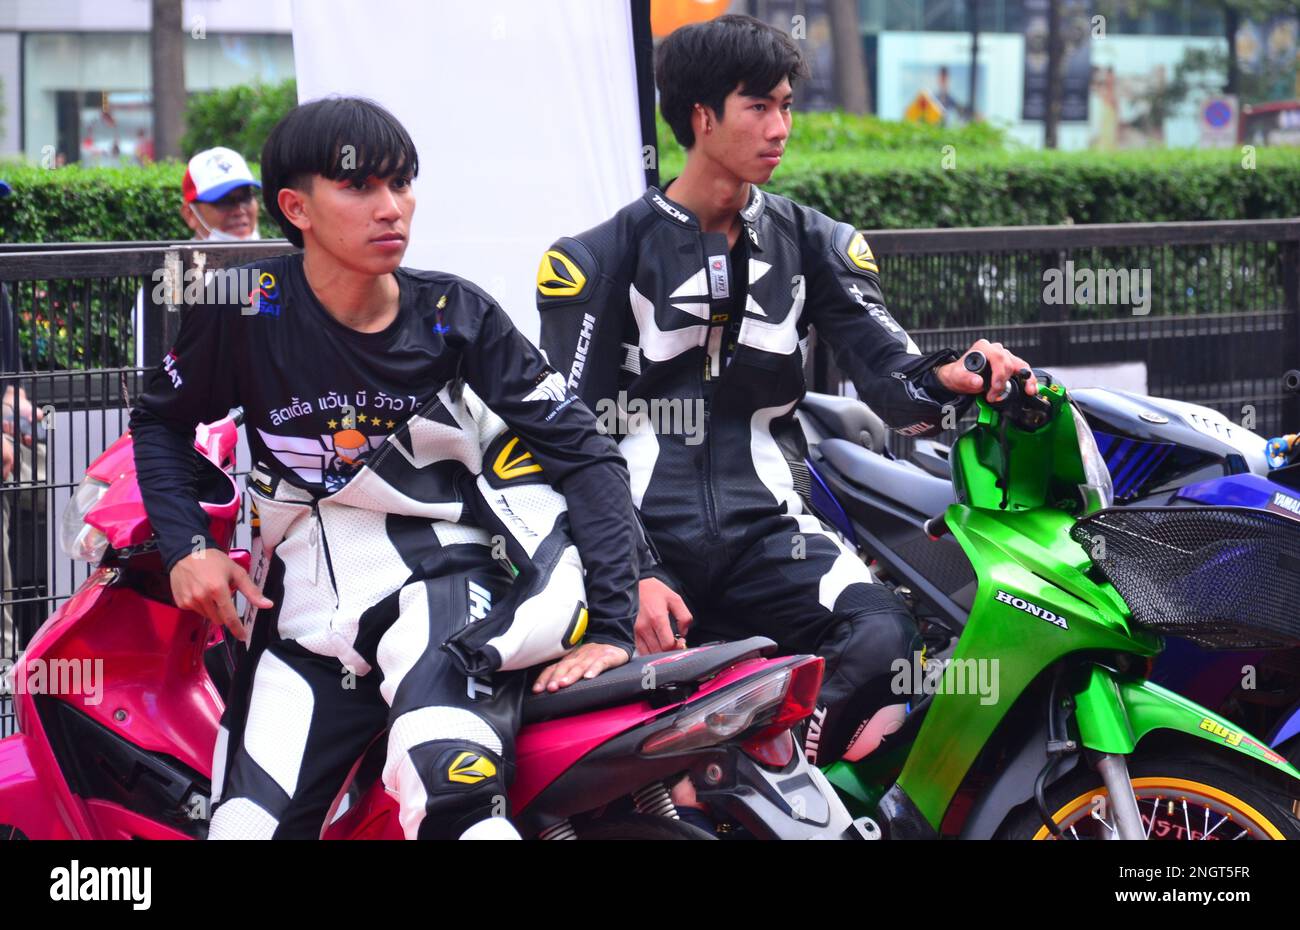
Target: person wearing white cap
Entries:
(220, 196)
(219, 203)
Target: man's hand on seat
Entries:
(587, 661)
(654, 632)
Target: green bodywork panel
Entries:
(1114, 715)
(1037, 603)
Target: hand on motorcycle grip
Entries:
(979, 363)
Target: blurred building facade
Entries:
(1129, 62)
(76, 73)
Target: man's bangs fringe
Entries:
(378, 150)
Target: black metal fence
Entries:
(1214, 319)
(86, 321)
(1217, 322)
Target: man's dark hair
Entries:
(340, 138)
(704, 62)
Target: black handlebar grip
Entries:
(978, 363)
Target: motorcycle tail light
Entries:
(775, 701)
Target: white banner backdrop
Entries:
(524, 115)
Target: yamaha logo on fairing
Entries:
(1285, 503)
(1020, 603)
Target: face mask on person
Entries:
(220, 235)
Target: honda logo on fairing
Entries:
(1020, 603)
(580, 352)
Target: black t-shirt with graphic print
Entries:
(320, 397)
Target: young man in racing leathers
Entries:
(383, 602)
(704, 294)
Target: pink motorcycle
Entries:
(117, 713)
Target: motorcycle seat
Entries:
(665, 676)
(900, 481)
(932, 457)
(846, 418)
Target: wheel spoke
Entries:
(1155, 811)
(1224, 819)
(1210, 810)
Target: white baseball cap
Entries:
(213, 173)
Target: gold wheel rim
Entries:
(1175, 790)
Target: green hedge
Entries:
(838, 132)
(913, 190)
(896, 189)
(74, 204)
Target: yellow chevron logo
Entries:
(860, 253)
(469, 768)
(559, 276)
(507, 468)
(579, 628)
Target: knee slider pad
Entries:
(463, 783)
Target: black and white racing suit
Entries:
(391, 484)
(704, 346)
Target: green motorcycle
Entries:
(1041, 723)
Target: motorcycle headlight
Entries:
(77, 538)
(1098, 491)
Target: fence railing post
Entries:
(1290, 255)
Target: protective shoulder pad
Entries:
(851, 247)
(567, 274)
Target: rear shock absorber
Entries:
(653, 800)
